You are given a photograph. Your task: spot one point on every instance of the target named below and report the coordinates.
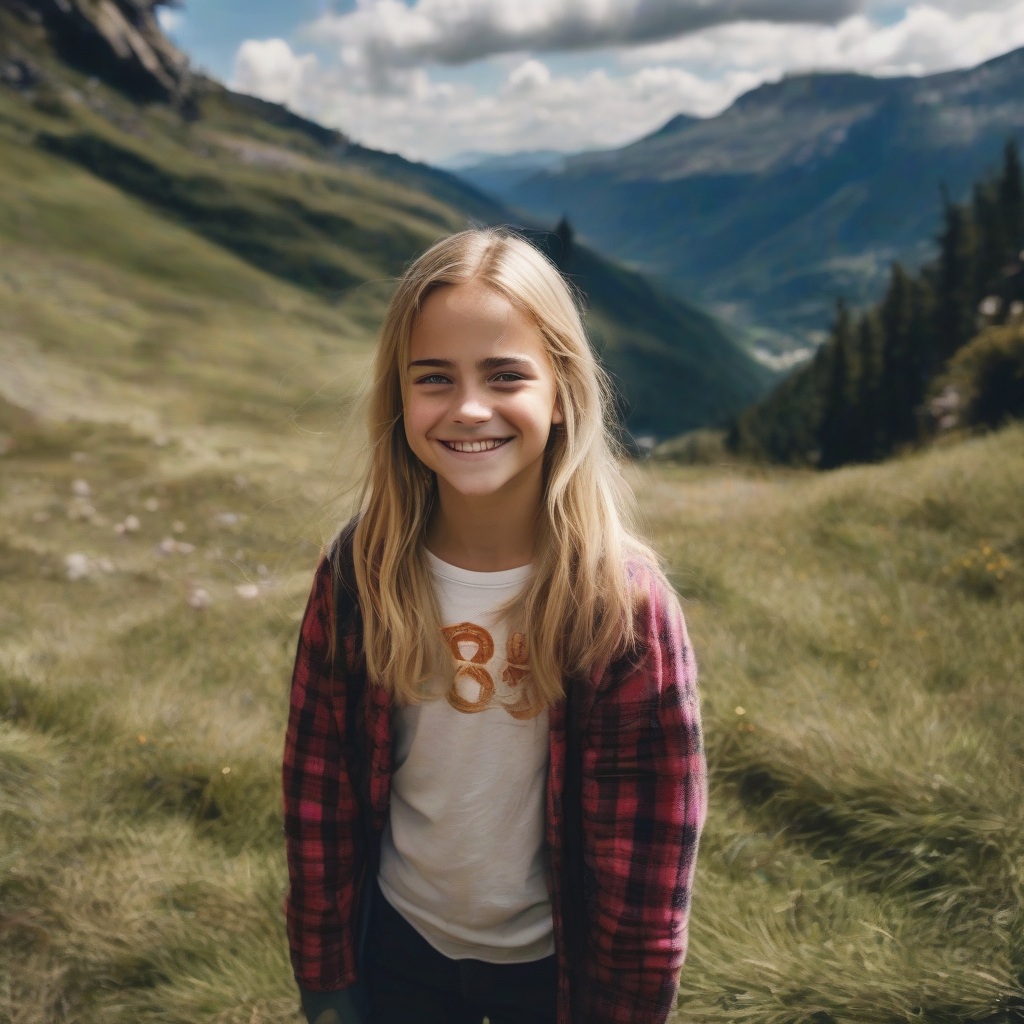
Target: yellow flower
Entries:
(225, 770)
(741, 711)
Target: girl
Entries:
(493, 777)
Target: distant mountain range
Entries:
(802, 191)
(94, 85)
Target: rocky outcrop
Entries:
(119, 41)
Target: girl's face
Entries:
(480, 392)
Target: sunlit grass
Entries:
(864, 852)
(170, 437)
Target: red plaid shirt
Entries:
(644, 798)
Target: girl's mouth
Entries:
(485, 445)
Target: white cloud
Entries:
(269, 69)
(416, 111)
(169, 20)
(388, 33)
(927, 39)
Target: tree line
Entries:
(863, 394)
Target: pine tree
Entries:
(956, 310)
(992, 235)
(837, 426)
(563, 250)
(868, 408)
(1011, 198)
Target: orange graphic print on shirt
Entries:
(472, 647)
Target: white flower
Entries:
(227, 518)
(77, 566)
(131, 523)
(167, 546)
(152, 504)
(199, 598)
(81, 489)
(247, 591)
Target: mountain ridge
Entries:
(802, 191)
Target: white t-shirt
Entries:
(462, 855)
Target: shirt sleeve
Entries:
(644, 805)
(320, 808)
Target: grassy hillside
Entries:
(172, 457)
(306, 205)
(860, 644)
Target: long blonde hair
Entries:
(578, 607)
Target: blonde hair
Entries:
(578, 607)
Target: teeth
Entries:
(475, 446)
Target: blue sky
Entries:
(433, 78)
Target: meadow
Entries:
(861, 653)
(174, 456)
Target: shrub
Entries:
(984, 382)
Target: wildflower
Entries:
(247, 591)
(142, 739)
(741, 711)
(178, 526)
(227, 518)
(225, 770)
(151, 504)
(132, 523)
(199, 598)
(81, 489)
(77, 566)
(166, 546)
(262, 570)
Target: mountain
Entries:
(497, 174)
(91, 85)
(803, 191)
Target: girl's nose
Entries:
(470, 409)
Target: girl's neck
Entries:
(488, 533)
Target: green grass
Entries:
(864, 853)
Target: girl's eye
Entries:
(433, 378)
(508, 377)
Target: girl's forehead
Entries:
(470, 315)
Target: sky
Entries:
(437, 79)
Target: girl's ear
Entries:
(556, 414)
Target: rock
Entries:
(119, 41)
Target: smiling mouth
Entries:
(486, 445)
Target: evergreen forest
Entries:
(943, 348)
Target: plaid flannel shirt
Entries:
(644, 797)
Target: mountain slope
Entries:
(802, 191)
(306, 205)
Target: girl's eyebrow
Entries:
(490, 363)
(444, 364)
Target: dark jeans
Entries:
(410, 982)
